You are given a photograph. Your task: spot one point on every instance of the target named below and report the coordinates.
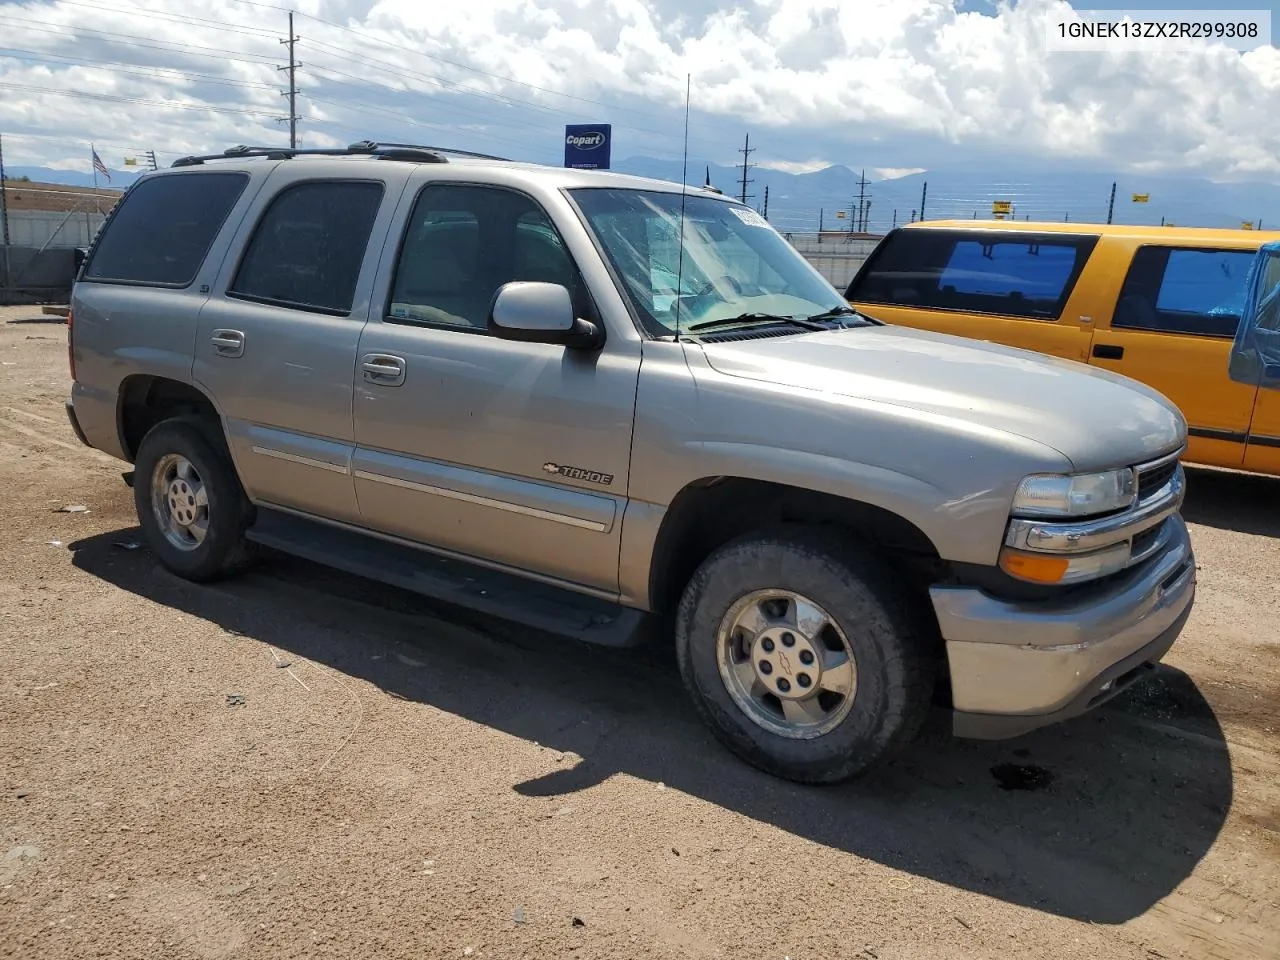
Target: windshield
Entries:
(734, 263)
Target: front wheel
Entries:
(190, 503)
(803, 656)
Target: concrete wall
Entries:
(35, 228)
(836, 258)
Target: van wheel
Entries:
(190, 503)
(803, 655)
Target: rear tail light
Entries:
(71, 347)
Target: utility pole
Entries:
(746, 152)
(151, 159)
(856, 211)
(766, 201)
(4, 220)
(821, 211)
(1111, 206)
(866, 217)
(913, 216)
(895, 218)
(293, 85)
(924, 192)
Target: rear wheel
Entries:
(190, 503)
(803, 655)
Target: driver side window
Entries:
(462, 243)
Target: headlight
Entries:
(1082, 495)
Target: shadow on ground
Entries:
(1097, 819)
(1243, 502)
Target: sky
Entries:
(892, 86)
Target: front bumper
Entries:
(1018, 666)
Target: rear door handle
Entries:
(228, 343)
(1108, 351)
(382, 369)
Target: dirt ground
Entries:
(300, 764)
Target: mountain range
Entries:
(796, 200)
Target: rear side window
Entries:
(1007, 274)
(163, 229)
(307, 250)
(1180, 290)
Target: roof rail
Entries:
(378, 144)
(383, 151)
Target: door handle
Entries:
(228, 343)
(384, 370)
(1108, 351)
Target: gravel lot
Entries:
(402, 780)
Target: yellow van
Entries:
(1158, 304)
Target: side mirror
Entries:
(540, 313)
(79, 256)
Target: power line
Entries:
(340, 53)
(216, 53)
(151, 12)
(458, 89)
(129, 69)
(256, 59)
(463, 66)
(113, 98)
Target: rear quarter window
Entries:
(307, 250)
(1008, 274)
(163, 228)
(1199, 292)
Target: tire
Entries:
(893, 669)
(220, 548)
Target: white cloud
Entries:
(794, 166)
(896, 173)
(896, 85)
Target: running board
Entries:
(503, 595)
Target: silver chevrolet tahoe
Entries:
(598, 405)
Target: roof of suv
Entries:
(1137, 231)
(241, 158)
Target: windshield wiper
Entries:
(806, 323)
(837, 313)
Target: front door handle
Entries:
(1108, 351)
(228, 343)
(382, 369)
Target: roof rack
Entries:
(379, 145)
(382, 151)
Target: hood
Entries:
(1095, 418)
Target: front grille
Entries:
(1152, 480)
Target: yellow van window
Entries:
(1180, 290)
(1006, 274)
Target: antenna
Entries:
(684, 192)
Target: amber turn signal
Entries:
(1036, 567)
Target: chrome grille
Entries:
(1152, 479)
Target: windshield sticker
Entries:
(749, 216)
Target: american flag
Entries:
(99, 166)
